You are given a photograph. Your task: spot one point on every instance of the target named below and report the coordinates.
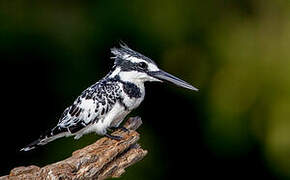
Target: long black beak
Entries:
(164, 76)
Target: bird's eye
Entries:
(143, 65)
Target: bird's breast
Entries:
(115, 116)
(133, 95)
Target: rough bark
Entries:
(103, 159)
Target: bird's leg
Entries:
(118, 138)
(122, 128)
(114, 128)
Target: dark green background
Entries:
(235, 51)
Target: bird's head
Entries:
(134, 67)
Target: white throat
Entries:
(135, 77)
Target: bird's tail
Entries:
(54, 133)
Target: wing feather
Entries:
(91, 106)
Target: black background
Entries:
(50, 52)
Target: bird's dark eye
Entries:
(143, 65)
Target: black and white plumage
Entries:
(106, 103)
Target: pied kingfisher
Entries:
(105, 104)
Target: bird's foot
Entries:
(118, 138)
(122, 128)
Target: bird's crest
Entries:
(125, 53)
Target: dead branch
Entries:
(103, 159)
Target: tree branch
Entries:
(103, 159)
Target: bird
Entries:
(104, 105)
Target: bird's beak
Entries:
(164, 76)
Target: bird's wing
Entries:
(90, 106)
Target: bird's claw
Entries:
(118, 138)
(122, 128)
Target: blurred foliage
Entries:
(236, 52)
